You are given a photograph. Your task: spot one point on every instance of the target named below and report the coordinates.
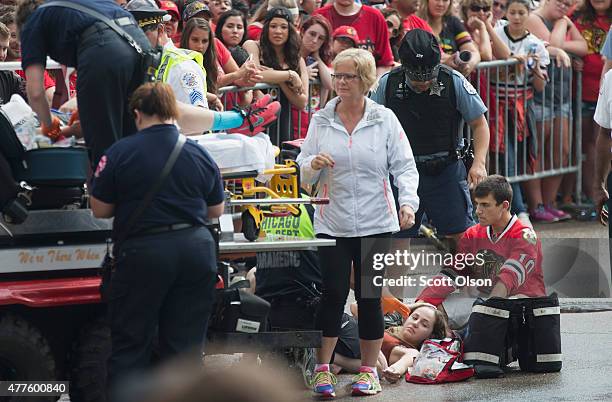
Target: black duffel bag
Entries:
(236, 310)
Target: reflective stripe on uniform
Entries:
(548, 358)
(496, 312)
(173, 56)
(486, 357)
(537, 312)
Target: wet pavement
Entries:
(586, 374)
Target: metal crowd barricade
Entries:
(508, 98)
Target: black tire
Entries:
(88, 369)
(24, 354)
(249, 227)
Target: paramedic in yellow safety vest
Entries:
(181, 68)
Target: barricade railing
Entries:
(525, 142)
(516, 151)
(16, 65)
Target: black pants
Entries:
(165, 280)
(295, 312)
(109, 71)
(336, 271)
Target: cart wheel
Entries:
(25, 355)
(249, 227)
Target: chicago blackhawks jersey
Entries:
(513, 257)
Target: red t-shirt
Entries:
(514, 258)
(595, 35)
(254, 31)
(413, 22)
(371, 28)
(223, 56)
(49, 82)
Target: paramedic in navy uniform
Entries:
(108, 67)
(166, 269)
(430, 100)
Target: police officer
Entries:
(181, 68)
(109, 69)
(166, 268)
(430, 100)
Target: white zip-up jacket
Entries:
(360, 198)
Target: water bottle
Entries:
(530, 61)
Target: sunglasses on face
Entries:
(497, 4)
(394, 31)
(476, 8)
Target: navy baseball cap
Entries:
(419, 54)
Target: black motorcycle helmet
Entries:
(419, 54)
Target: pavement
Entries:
(586, 332)
(585, 376)
(578, 269)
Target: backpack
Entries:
(440, 361)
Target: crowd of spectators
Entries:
(291, 43)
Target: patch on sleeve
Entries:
(468, 86)
(189, 80)
(529, 236)
(196, 97)
(101, 166)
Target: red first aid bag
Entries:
(439, 361)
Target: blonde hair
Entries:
(364, 63)
(424, 10)
(466, 4)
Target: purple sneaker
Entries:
(560, 215)
(540, 214)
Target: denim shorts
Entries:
(546, 112)
(588, 108)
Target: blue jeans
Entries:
(517, 198)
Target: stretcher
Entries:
(254, 182)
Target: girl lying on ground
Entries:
(400, 346)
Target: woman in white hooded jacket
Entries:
(352, 146)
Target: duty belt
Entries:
(163, 228)
(434, 164)
(100, 26)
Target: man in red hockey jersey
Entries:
(506, 251)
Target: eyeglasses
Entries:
(221, 2)
(394, 31)
(499, 5)
(345, 77)
(476, 8)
